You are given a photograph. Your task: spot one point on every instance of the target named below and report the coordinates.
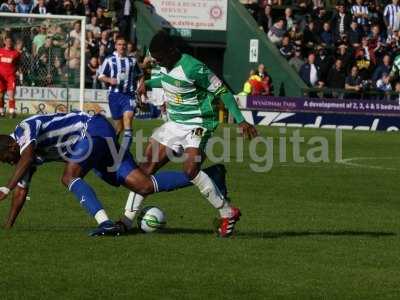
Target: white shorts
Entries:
(178, 137)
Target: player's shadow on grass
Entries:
(284, 234)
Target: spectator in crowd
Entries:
(265, 77)
(102, 21)
(336, 78)
(310, 72)
(297, 60)
(360, 12)
(85, 8)
(40, 8)
(91, 44)
(24, 7)
(295, 34)
(383, 84)
(93, 27)
(345, 55)
(39, 38)
(391, 16)
(353, 84)
(72, 54)
(67, 8)
(311, 36)
(8, 6)
(92, 73)
(251, 6)
(363, 64)
(124, 13)
(76, 32)
(324, 61)
(383, 68)
(277, 32)
(341, 21)
(106, 43)
(327, 35)
(286, 49)
(48, 49)
(354, 34)
(264, 19)
(289, 18)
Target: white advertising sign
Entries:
(253, 52)
(191, 14)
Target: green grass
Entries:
(323, 231)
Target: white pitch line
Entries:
(350, 162)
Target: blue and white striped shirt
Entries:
(51, 134)
(391, 14)
(360, 9)
(125, 69)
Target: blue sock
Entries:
(169, 180)
(127, 139)
(86, 196)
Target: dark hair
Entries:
(161, 41)
(120, 37)
(5, 141)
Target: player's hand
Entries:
(113, 81)
(141, 90)
(248, 130)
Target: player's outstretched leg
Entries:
(229, 215)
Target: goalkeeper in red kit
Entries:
(9, 58)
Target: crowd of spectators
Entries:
(350, 45)
(51, 54)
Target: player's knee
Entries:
(66, 180)
(147, 168)
(191, 172)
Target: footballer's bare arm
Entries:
(22, 167)
(17, 203)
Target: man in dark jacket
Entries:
(341, 21)
(310, 72)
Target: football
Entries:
(151, 219)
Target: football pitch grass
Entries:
(309, 230)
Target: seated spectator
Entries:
(40, 8)
(344, 54)
(8, 6)
(353, 83)
(311, 36)
(383, 84)
(93, 27)
(297, 60)
(264, 19)
(296, 35)
(310, 72)
(363, 64)
(368, 50)
(383, 68)
(24, 7)
(354, 34)
(277, 31)
(327, 35)
(85, 8)
(286, 49)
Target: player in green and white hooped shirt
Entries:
(191, 90)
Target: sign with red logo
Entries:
(191, 14)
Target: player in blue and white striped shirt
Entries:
(84, 143)
(391, 16)
(122, 73)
